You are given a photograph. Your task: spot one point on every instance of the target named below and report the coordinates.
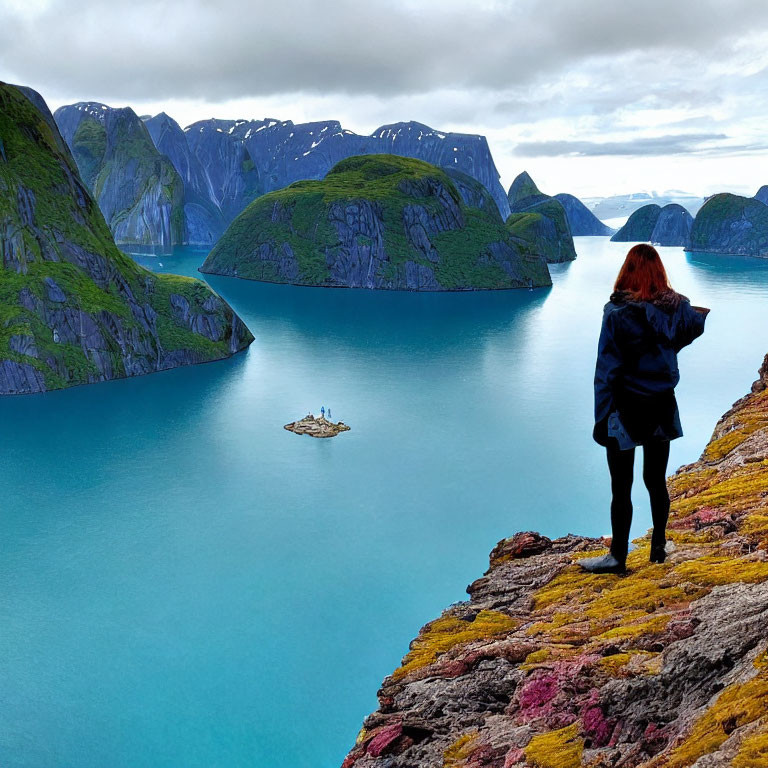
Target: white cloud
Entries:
(532, 72)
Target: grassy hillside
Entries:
(73, 308)
(543, 228)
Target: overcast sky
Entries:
(593, 97)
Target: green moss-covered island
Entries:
(731, 224)
(668, 226)
(639, 226)
(73, 308)
(376, 221)
(544, 229)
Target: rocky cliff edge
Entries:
(550, 667)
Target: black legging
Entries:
(620, 464)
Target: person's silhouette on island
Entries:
(645, 324)
(322, 411)
(329, 414)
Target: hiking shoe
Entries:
(605, 564)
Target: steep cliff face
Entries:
(543, 229)
(203, 219)
(762, 194)
(375, 221)
(547, 666)
(232, 175)
(473, 193)
(136, 188)
(468, 153)
(226, 164)
(673, 227)
(285, 152)
(581, 220)
(73, 308)
(731, 224)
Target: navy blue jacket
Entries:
(638, 346)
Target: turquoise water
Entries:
(184, 583)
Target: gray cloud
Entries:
(651, 146)
(233, 48)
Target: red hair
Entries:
(643, 275)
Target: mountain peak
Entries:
(523, 186)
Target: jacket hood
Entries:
(663, 313)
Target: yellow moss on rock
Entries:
(445, 633)
(736, 706)
(626, 630)
(456, 755)
(535, 658)
(739, 490)
(756, 524)
(556, 749)
(714, 570)
(747, 420)
(687, 481)
(753, 751)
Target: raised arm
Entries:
(691, 324)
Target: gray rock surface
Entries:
(673, 227)
(203, 218)
(581, 220)
(137, 189)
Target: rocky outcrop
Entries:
(731, 224)
(523, 188)
(203, 218)
(580, 219)
(762, 194)
(667, 226)
(473, 193)
(75, 309)
(137, 189)
(316, 427)
(543, 230)
(540, 221)
(375, 221)
(547, 666)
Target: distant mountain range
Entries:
(160, 186)
(618, 206)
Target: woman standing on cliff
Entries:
(645, 325)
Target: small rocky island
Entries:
(316, 427)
